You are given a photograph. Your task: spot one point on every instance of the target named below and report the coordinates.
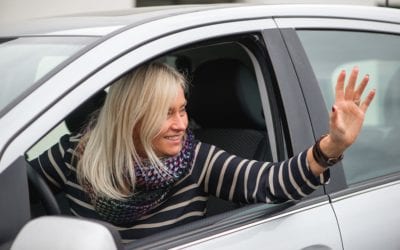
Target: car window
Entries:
(376, 151)
(23, 61)
(47, 141)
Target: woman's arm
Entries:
(233, 178)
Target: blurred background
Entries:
(21, 10)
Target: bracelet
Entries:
(323, 160)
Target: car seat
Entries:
(225, 107)
(79, 118)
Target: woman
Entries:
(139, 167)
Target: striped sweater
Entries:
(213, 172)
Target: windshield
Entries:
(23, 61)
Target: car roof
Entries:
(97, 23)
(105, 23)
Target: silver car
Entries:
(273, 70)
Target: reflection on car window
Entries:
(23, 61)
(376, 151)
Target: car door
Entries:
(365, 201)
(259, 225)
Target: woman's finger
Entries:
(340, 86)
(365, 104)
(360, 89)
(349, 91)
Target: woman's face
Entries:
(169, 141)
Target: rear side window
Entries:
(376, 151)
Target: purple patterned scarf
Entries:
(152, 188)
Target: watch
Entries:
(322, 159)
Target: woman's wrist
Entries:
(322, 158)
(323, 154)
(329, 148)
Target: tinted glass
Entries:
(23, 61)
(376, 152)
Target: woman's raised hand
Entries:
(349, 110)
(347, 114)
(346, 119)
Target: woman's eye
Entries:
(182, 111)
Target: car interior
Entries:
(224, 107)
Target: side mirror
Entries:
(61, 232)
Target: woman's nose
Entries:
(179, 122)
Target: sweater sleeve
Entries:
(236, 179)
(54, 165)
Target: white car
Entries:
(275, 68)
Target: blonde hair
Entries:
(138, 101)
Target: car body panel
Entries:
(369, 219)
(285, 231)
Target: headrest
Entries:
(224, 94)
(78, 119)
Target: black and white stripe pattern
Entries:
(213, 171)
